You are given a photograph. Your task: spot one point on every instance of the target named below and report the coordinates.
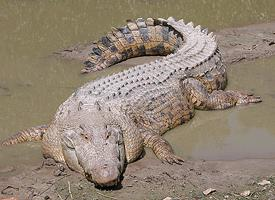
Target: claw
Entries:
(246, 98)
(178, 162)
(255, 99)
(169, 160)
(173, 159)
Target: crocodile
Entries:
(107, 123)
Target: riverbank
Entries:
(148, 178)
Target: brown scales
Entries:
(27, 135)
(139, 38)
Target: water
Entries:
(237, 133)
(33, 84)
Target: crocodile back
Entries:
(193, 53)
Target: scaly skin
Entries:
(108, 122)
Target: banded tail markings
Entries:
(138, 37)
(27, 135)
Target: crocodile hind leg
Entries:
(161, 148)
(216, 100)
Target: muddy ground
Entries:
(148, 178)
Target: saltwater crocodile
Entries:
(106, 123)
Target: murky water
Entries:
(32, 84)
(237, 133)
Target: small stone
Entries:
(170, 198)
(8, 169)
(245, 193)
(209, 191)
(79, 187)
(129, 185)
(47, 197)
(60, 171)
(198, 173)
(49, 162)
(226, 196)
(264, 182)
(9, 190)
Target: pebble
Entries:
(209, 191)
(8, 169)
(264, 182)
(245, 193)
(170, 198)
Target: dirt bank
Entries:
(148, 178)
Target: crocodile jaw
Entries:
(97, 153)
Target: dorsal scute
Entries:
(181, 21)
(171, 19)
(198, 28)
(196, 48)
(205, 31)
(191, 24)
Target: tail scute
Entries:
(27, 135)
(138, 37)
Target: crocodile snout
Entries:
(104, 176)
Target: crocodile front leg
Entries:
(161, 148)
(216, 100)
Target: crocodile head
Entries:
(97, 152)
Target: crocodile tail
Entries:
(27, 135)
(139, 37)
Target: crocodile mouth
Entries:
(112, 184)
(104, 183)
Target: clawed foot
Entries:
(171, 159)
(246, 98)
(162, 149)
